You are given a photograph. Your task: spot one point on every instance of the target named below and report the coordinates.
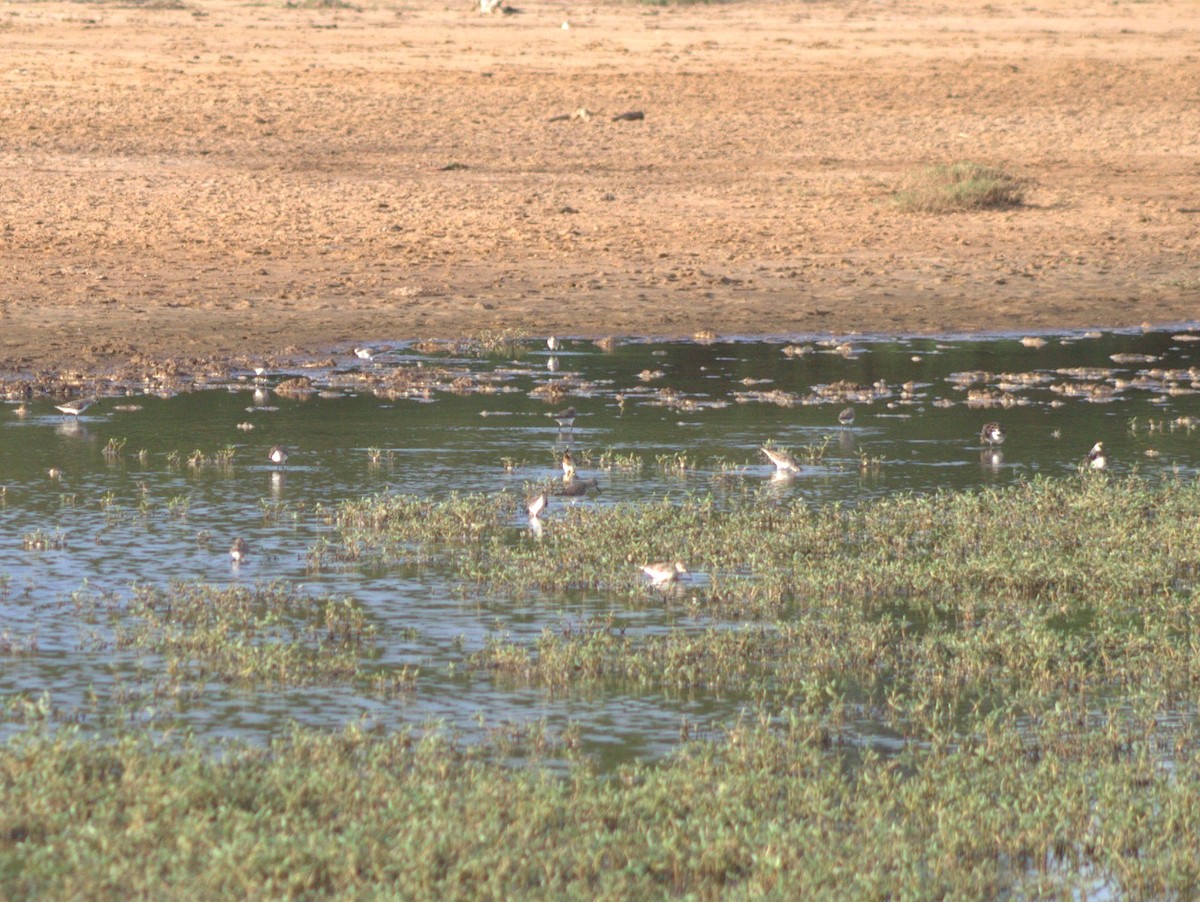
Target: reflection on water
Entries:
(152, 488)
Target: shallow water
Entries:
(479, 424)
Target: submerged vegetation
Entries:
(968, 694)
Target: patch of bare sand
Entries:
(224, 180)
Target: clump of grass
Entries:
(497, 343)
(41, 540)
(268, 635)
(960, 186)
(199, 459)
(612, 460)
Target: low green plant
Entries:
(960, 186)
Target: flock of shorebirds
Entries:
(664, 573)
(660, 574)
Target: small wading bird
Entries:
(364, 353)
(278, 455)
(536, 505)
(552, 343)
(784, 462)
(564, 418)
(74, 408)
(992, 434)
(577, 488)
(846, 417)
(1097, 458)
(665, 572)
(239, 550)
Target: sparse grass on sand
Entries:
(960, 186)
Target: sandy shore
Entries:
(225, 181)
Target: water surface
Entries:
(150, 489)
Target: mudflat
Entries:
(222, 181)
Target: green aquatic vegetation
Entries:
(613, 460)
(266, 635)
(775, 807)
(17, 645)
(604, 651)
(1024, 656)
(814, 453)
(1022, 590)
(199, 459)
(42, 540)
(179, 506)
(680, 462)
(388, 530)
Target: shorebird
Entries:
(992, 434)
(577, 488)
(239, 550)
(1097, 458)
(846, 417)
(364, 353)
(568, 465)
(564, 418)
(784, 462)
(552, 343)
(665, 572)
(278, 455)
(74, 408)
(536, 506)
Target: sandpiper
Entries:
(577, 488)
(536, 506)
(239, 550)
(568, 466)
(992, 434)
(364, 353)
(784, 462)
(278, 455)
(552, 343)
(565, 418)
(1097, 458)
(664, 572)
(74, 408)
(846, 417)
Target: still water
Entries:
(116, 499)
